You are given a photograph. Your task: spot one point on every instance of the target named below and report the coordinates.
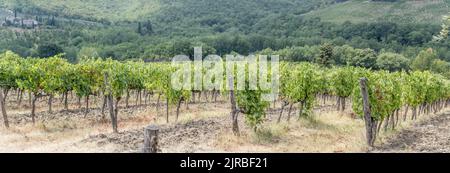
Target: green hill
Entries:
(132, 10)
(230, 13)
(405, 11)
(98, 9)
(161, 28)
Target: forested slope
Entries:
(159, 29)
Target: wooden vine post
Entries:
(371, 124)
(110, 100)
(151, 139)
(2, 107)
(234, 109)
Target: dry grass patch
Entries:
(328, 132)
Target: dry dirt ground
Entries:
(327, 133)
(205, 127)
(429, 135)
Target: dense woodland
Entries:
(219, 28)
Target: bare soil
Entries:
(430, 135)
(213, 134)
(184, 138)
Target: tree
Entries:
(48, 50)
(326, 55)
(139, 29)
(362, 58)
(424, 60)
(392, 62)
(445, 29)
(341, 53)
(441, 67)
(53, 21)
(149, 27)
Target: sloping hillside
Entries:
(93, 9)
(157, 29)
(131, 10)
(405, 11)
